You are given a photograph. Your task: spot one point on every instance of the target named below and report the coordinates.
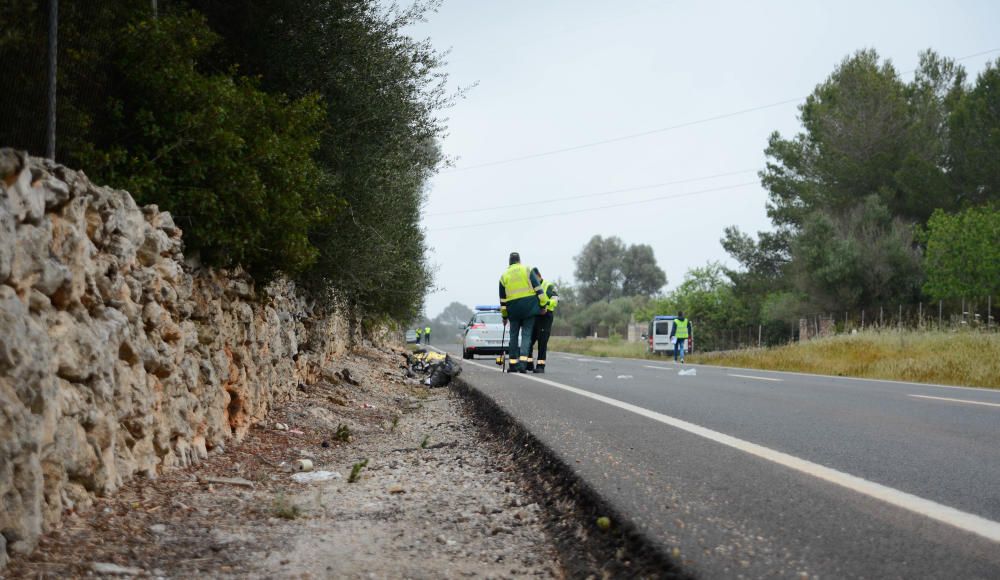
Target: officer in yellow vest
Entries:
(427, 335)
(521, 300)
(543, 323)
(420, 332)
(680, 332)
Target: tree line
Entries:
(888, 196)
(289, 137)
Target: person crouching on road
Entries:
(680, 333)
(543, 323)
(521, 300)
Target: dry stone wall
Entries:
(116, 359)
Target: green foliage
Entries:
(963, 253)
(877, 157)
(975, 139)
(284, 135)
(706, 297)
(607, 269)
(232, 163)
(284, 508)
(381, 90)
(860, 258)
(356, 471)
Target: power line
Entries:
(600, 193)
(575, 211)
(624, 137)
(663, 129)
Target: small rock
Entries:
(115, 569)
(441, 539)
(158, 528)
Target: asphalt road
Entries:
(747, 473)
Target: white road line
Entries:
(658, 368)
(957, 400)
(753, 377)
(901, 499)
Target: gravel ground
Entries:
(439, 497)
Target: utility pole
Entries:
(50, 133)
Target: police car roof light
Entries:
(480, 308)
(665, 317)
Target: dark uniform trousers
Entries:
(540, 334)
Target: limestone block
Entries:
(8, 238)
(76, 350)
(53, 275)
(155, 244)
(31, 251)
(25, 195)
(56, 193)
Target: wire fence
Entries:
(944, 315)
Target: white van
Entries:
(658, 336)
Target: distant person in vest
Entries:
(543, 323)
(521, 300)
(680, 333)
(420, 333)
(427, 335)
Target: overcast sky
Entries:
(559, 74)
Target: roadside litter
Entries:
(688, 373)
(598, 377)
(304, 465)
(625, 376)
(314, 476)
(438, 368)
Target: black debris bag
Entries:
(441, 373)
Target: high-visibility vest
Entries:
(517, 282)
(419, 331)
(427, 331)
(553, 301)
(681, 328)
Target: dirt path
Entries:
(436, 498)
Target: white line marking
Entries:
(590, 360)
(753, 377)
(918, 505)
(659, 368)
(957, 400)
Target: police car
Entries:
(484, 333)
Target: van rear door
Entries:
(661, 336)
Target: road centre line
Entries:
(753, 377)
(658, 368)
(956, 400)
(948, 515)
(590, 360)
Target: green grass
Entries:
(601, 347)
(952, 358)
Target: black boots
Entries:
(539, 369)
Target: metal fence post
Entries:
(50, 132)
